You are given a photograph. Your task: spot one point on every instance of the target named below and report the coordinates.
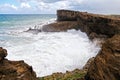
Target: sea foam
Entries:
(50, 52)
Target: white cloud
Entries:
(45, 1)
(50, 6)
(100, 6)
(8, 6)
(25, 5)
(51, 1)
(95, 6)
(14, 7)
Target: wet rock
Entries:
(106, 65)
(14, 70)
(3, 53)
(87, 65)
(59, 26)
(34, 31)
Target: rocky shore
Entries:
(105, 66)
(14, 70)
(93, 24)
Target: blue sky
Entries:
(50, 6)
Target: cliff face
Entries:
(67, 15)
(91, 23)
(14, 70)
(94, 25)
(106, 65)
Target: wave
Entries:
(50, 52)
(47, 52)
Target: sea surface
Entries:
(46, 52)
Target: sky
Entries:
(50, 6)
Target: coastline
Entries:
(95, 26)
(102, 27)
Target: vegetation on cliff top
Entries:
(73, 75)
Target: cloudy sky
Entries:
(50, 6)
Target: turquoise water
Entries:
(15, 20)
(11, 23)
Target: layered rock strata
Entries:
(106, 65)
(93, 24)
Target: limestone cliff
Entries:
(14, 70)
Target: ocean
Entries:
(46, 52)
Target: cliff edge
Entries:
(93, 24)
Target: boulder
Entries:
(106, 65)
(14, 70)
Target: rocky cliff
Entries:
(14, 70)
(106, 65)
(93, 24)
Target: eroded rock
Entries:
(102, 25)
(14, 70)
(59, 26)
(106, 65)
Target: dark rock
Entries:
(67, 15)
(59, 26)
(106, 65)
(87, 65)
(34, 31)
(14, 70)
(3, 53)
(101, 25)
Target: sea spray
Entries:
(50, 52)
(46, 52)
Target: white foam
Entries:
(52, 52)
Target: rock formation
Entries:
(93, 24)
(106, 65)
(59, 26)
(14, 70)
